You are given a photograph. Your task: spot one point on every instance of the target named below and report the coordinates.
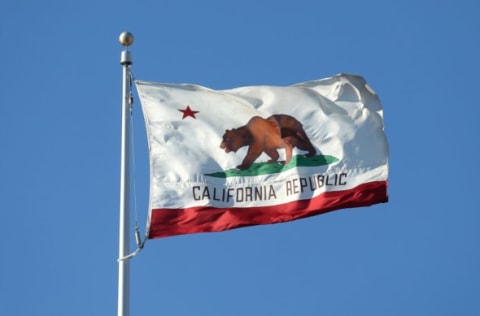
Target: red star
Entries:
(188, 112)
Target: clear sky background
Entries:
(60, 115)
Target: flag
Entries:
(223, 159)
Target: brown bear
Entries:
(267, 135)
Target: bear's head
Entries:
(232, 140)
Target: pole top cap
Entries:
(126, 39)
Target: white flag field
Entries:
(223, 159)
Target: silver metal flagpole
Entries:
(126, 39)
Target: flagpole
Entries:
(126, 39)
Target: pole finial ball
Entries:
(126, 38)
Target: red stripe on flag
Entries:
(170, 222)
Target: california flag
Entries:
(262, 154)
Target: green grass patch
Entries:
(269, 168)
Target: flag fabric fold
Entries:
(223, 159)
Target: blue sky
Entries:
(60, 162)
